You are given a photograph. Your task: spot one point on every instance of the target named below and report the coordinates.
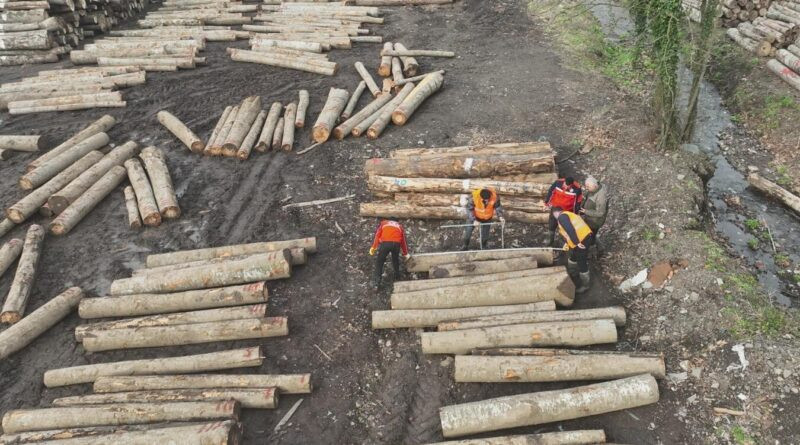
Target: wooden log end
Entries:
(153, 220)
(261, 146)
(57, 228)
(25, 184)
(10, 317)
(372, 134)
(399, 117)
(15, 215)
(338, 133)
(172, 212)
(197, 147)
(321, 134)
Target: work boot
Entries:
(585, 280)
(572, 268)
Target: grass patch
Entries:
(740, 436)
(752, 225)
(775, 107)
(753, 243)
(782, 175)
(649, 234)
(782, 260)
(716, 258)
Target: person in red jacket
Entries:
(566, 194)
(390, 238)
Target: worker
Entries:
(566, 194)
(578, 237)
(390, 238)
(595, 205)
(483, 206)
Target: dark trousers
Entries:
(552, 224)
(384, 249)
(581, 256)
(484, 234)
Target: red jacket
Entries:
(390, 231)
(566, 196)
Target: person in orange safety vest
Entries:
(565, 193)
(482, 206)
(578, 237)
(390, 238)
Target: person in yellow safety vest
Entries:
(578, 237)
(481, 208)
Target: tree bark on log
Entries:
(388, 184)
(185, 334)
(302, 109)
(380, 123)
(417, 53)
(17, 298)
(347, 126)
(116, 414)
(20, 143)
(286, 383)
(511, 148)
(261, 398)
(66, 196)
(410, 65)
(314, 47)
(785, 73)
(422, 262)
(334, 105)
(217, 129)
(328, 69)
(414, 285)
(148, 209)
(163, 191)
(218, 433)
(289, 116)
(186, 256)
(51, 168)
(431, 84)
(424, 318)
(351, 104)
(405, 80)
(134, 220)
(578, 437)
(298, 257)
(38, 322)
(277, 137)
(615, 313)
(482, 267)
(761, 49)
(76, 211)
(148, 304)
(215, 148)
(460, 167)
(788, 59)
(250, 140)
(362, 71)
(9, 254)
(556, 333)
(399, 210)
(244, 120)
(265, 140)
(38, 39)
(775, 191)
(364, 125)
(214, 361)
(531, 205)
(385, 67)
(5, 226)
(548, 406)
(181, 131)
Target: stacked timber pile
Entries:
(179, 298)
(436, 183)
(786, 65)
(151, 196)
(193, 13)
(495, 310)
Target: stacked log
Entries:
(786, 65)
(437, 183)
(152, 187)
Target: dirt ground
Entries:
(508, 83)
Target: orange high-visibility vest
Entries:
(581, 229)
(484, 213)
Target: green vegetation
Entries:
(753, 243)
(752, 225)
(649, 234)
(740, 437)
(783, 178)
(775, 107)
(782, 260)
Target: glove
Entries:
(581, 246)
(565, 248)
(372, 251)
(407, 257)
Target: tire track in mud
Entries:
(423, 416)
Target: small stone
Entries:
(777, 371)
(714, 384)
(388, 343)
(752, 168)
(787, 373)
(446, 362)
(681, 177)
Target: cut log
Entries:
(460, 167)
(134, 220)
(20, 143)
(337, 100)
(548, 406)
(314, 47)
(147, 304)
(578, 437)
(148, 209)
(761, 49)
(385, 67)
(9, 254)
(252, 136)
(482, 267)
(5, 226)
(403, 81)
(389, 184)
(408, 286)
(774, 191)
(99, 126)
(244, 120)
(227, 432)
(362, 71)
(785, 73)
(289, 116)
(17, 298)
(217, 129)
(347, 126)
(116, 414)
(38, 322)
(424, 261)
(265, 139)
(431, 84)
(424, 318)
(410, 211)
(181, 131)
(215, 146)
(532, 205)
(302, 108)
(51, 168)
(351, 104)
(512, 148)
(277, 137)
(76, 211)
(615, 313)
(186, 256)
(790, 60)
(286, 383)
(397, 72)
(328, 69)
(164, 192)
(298, 257)
(261, 398)
(410, 65)
(380, 123)
(37, 39)
(68, 103)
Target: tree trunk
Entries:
(20, 143)
(442, 200)
(399, 210)
(5, 226)
(73, 214)
(403, 81)
(362, 71)
(250, 140)
(147, 304)
(615, 313)
(784, 73)
(186, 256)
(364, 125)
(411, 3)
(385, 67)
(148, 209)
(214, 361)
(217, 129)
(262, 398)
(277, 137)
(460, 167)
(244, 120)
(299, 64)
(66, 196)
(21, 286)
(51, 168)
(314, 47)
(577, 437)
(347, 126)
(28, 205)
(181, 131)
(385, 114)
(417, 53)
(156, 165)
(788, 59)
(270, 125)
(38, 39)
(761, 49)
(218, 433)
(337, 100)
(9, 253)
(548, 406)
(556, 333)
(424, 318)
(116, 414)
(302, 108)
(389, 184)
(38, 322)
(286, 383)
(482, 267)
(215, 148)
(298, 257)
(68, 103)
(425, 89)
(410, 65)
(422, 262)
(289, 116)
(351, 104)
(512, 148)
(134, 220)
(774, 191)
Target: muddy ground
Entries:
(509, 83)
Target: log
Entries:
(9, 254)
(423, 318)
(762, 48)
(261, 398)
(380, 123)
(347, 126)
(134, 220)
(187, 256)
(215, 147)
(147, 304)
(362, 71)
(116, 414)
(482, 267)
(244, 120)
(163, 191)
(531, 289)
(148, 209)
(389, 184)
(68, 103)
(20, 290)
(203, 316)
(28, 205)
(578, 437)
(417, 53)
(314, 47)
(548, 406)
(785, 73)
(286, 383)
(250, 140)
(181, 131)
(270, 125)
(399, 210)
(185, 334)
(20, 143)
(51, 168)
(38, 322)
(403, 81)
(298, 257)
(413, 285)
(277, 137)
(615, 313)
(302, 108)
(217, 129)
(788, 59)
(460, 167)
(334, 105)
(37, 39)
(66, 196)
(351, 104)
(425, 89)
(410, 65)
(397, 72)
(267, 266)
(227, 432)
(385, 67)
(5, 226)
(774, 191)
(422, 262)
(512, 148)
(328, 69)
(289, 116)
(412, 3)
(443, 200)
(76, 211)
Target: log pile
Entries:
(152, 188)
(436, 183)
(495, 310)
